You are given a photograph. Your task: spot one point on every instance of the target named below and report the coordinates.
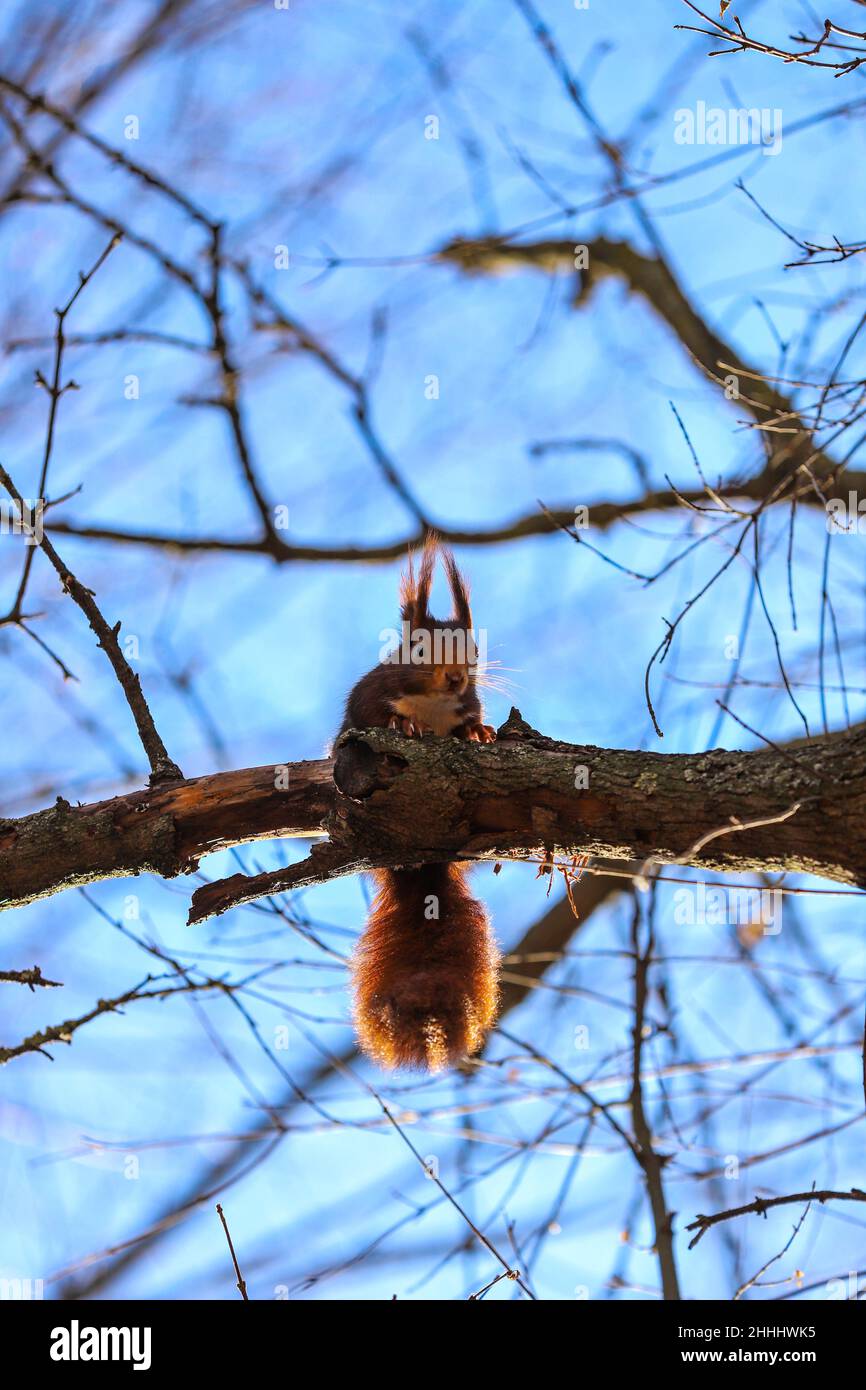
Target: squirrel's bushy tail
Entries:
(425, 985)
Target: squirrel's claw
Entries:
(412, 728)
(480, 733)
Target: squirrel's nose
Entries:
(455, 680)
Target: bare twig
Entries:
(761, 1205)
(31, 978)
(241, 1281)
(652, 1162)
(162, 768)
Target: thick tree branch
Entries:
(404, 801)
(163, 830)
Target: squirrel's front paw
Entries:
(479, 733)
(412, 728)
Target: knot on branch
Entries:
(360, 769)
(516, 727)
(415, 796)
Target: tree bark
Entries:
(163, 831)
(388, 800)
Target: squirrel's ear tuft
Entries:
(407, 592)
(415, 594)
(425, 577)
(459, 591)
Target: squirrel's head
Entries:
(444, 650)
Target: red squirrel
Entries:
(425, 971)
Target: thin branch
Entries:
(761, 1205)
(31, 978)
(161, 765)
(241, 1281)
(651, 1161)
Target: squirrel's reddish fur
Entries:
(426, 989)
(425, 970)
